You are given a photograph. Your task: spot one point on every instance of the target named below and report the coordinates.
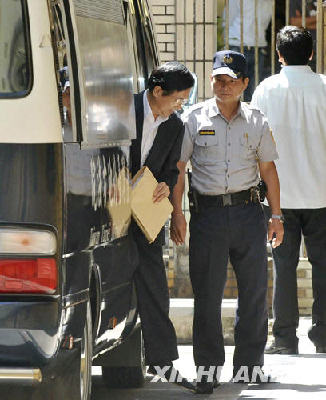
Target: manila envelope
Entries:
(149, 216)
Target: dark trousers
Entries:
(312, 224)
(153, 302)
(217, 233)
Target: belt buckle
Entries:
(227, 201)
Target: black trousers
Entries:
(312, 224)
(217, 233)
(153, 302)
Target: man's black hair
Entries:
(171, 76)
(295, 45)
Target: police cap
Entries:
(232, 63)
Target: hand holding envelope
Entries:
(161, 191)
(150, 215)
(148, 203)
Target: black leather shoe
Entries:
(204, 387)
(251, 377)
(161, 366)
(171, 371)
(321, 349)
(151, 370)
(207, 387)
(276, 349)
(187, 385)
(216, 383)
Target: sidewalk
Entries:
(301, 377)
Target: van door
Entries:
(96, 80)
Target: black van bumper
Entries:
(38, 341)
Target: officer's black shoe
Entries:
(171, 372)
(251, 375)
(151, 370)
(321, 349)
(207, 387)
(204, 387)
(187, 385)
(278, 349)
(216, 383)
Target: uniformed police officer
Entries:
(228, 145)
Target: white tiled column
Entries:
(164, 20)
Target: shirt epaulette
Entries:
(196, 106)
(256, 109)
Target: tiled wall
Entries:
(186, 31)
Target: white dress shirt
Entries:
(264, 14)
(149, 129)
(294, 103)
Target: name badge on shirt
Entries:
(204, 132)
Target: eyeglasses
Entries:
(180, 102)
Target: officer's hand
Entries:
(161, 191)
(178, 228)
(275, 232)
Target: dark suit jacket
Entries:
(165, 152)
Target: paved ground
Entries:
(301, 377)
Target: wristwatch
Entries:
(279, 217)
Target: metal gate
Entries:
(202, 27)
(319, 16)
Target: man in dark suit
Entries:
(158, 145)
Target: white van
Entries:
(68, 71)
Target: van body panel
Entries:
(21, 119)
(97, 193)
(18, 315)
(64, 167)
(94, 235)
(27, 348)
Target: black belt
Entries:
(230, 199)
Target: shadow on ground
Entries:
(162, 391)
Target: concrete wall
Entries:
(164, 13)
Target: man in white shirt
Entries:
(294, 102)
(311, 20)
(264, 15)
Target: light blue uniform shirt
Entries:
(224, 154)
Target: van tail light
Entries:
(37, 275)
(27, 241)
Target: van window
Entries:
(15, 66)
(107, 73)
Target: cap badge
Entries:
(228, 59)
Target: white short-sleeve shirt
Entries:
(294, 103)
(224, 154)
